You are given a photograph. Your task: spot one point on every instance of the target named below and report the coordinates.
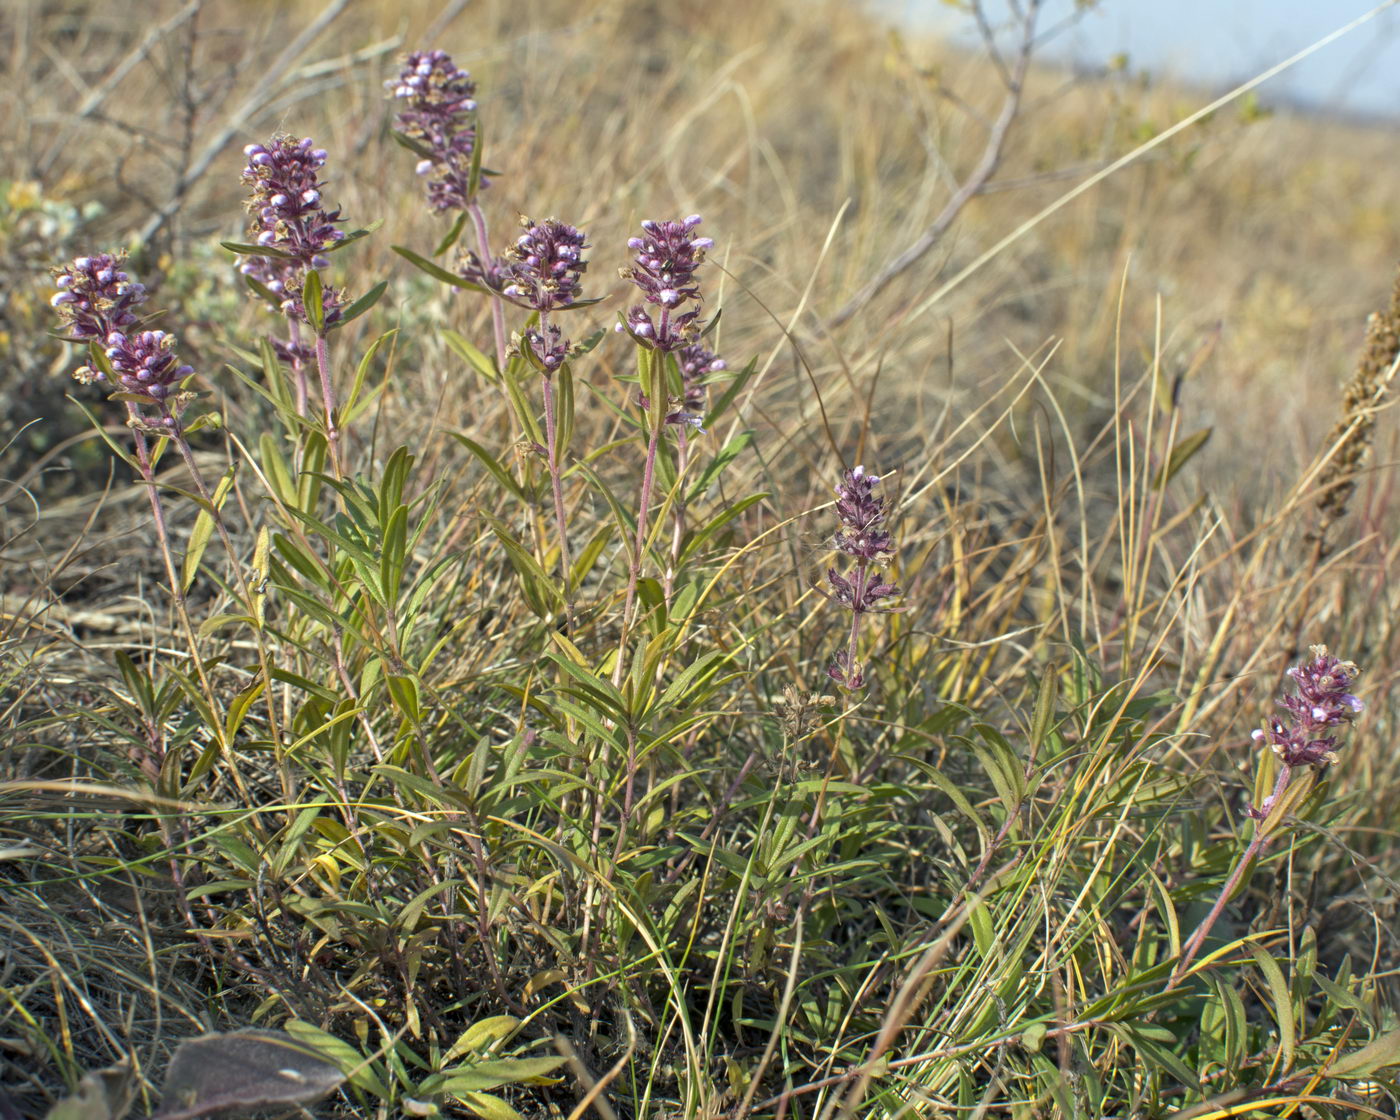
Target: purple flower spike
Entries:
(543, 267)
(667, 256)
(861, 514)
(860, 590)
(95, 297)
(1322, 701)
(440, 114)
(696, 361)
(286, 204)
(290, 216)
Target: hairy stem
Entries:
(483, 247)
(1256, 845)
(323, 366)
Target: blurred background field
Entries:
(1212, 294)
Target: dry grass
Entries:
(1223, 281)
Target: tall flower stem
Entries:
(634, 571)
(148, 477)
(858, 583)
(298, 365)
(551, 426)
(1256, 845)
(678, 528)
(323, 366)
(498, 315)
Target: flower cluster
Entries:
(543, 268)
(667, 256)
(695, 361)
(440, 117)
(548, 345)
(145, 363)
(1321, 703)
(97, 302)
(290, 218)
(96, 297)
(864, 540)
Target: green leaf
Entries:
(342, 1054)
(726, 455)
(1044, 715)
(204, 529)
(1380, 1053)
(1283, 1006)
(245, 250)
(735, 387)
(489, 1107)
(239, 707)
(361, 305)
(540, 590)
(313, 296)
(489, 461)
(353, 236)
(436, 271)
(474, 176)
(473, 356)
(482, 1035)
(450, 238)
(492, 1074)
(1181, 454)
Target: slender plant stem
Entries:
(857, 596)
(639, 545)
(1256, 845)
(483, 245)
(323, 366)
(678, 530)
(298, 366)
(551, 426)
(147, 469)
(148, 476)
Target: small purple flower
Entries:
(440, 114)
(549, 346)
(695, 362)
(542, 269)
(1322, 700)
(95, 297)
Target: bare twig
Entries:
(238, 119)
(975, 182)
(100, 92)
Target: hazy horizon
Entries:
(1220, 43)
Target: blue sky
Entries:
(1222, 41)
